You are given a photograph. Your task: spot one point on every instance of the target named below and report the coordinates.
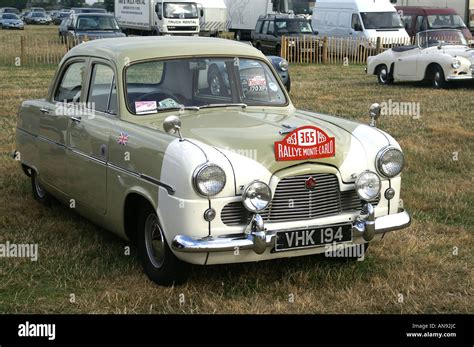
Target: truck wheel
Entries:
(238, 35)
(438, 80)
(159, 263)
(383, 75)
(39, 193)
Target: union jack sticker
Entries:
(123, 139)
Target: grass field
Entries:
(427, 268)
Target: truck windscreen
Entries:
(381, 20)
(181, 10)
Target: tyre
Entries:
(383, 75)
(288, 84)
(216, 84)
(438, 79)
(39, 193)
(159, 263)
(238, 35)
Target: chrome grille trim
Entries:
(327, 200)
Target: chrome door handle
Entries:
(44, 110)
(76, 119)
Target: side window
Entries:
(70, 87)
(102, 94)
(271, 27)
(408, 21)
(420, 23)
(258, 28)
(265, 27)
(356, 25)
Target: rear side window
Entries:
(408, 21)
(356, 24)
(265, 27)
(102, 94)
(70, 88)
(271, 27)
(420, 23)
(258, 28)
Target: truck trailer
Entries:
(158, 17)
(214, 17)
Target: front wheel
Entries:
(438, 80)
(383, 75)
(159, 263)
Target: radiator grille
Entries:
(293, 202)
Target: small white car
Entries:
(440, 56)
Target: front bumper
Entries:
(460, 78)
(366, 226)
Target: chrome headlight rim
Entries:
(456, 64)
(284, 65)
(198, 171)
(247, 203)
(381, 154)
(358, 186)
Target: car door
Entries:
(406, 65)
(271, 39)
(263, 37)
(89, 136)
(54, 115)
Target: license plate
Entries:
(312, 237)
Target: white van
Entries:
(366, 19)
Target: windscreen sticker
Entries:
(257, 81)
(168, 103)
(308, 142)
(144, 107)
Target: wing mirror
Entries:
(172, 126)
(374, 111)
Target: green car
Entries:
(191, 148)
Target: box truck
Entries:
(244, 14)
(214, 17)
(465, 8)
(158, 17)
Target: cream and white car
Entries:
(440, 56)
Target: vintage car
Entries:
(440, 56)
(133, 137)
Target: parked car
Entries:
(23, 15)
(60, 17)
(270, 29)
(133, 134)
(37, 9)
(9, 10)
(91, 26)
(38, 17)
(440, 56)
(78, 10)
(418, 19)
(11, 21)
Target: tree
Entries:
(109, 5)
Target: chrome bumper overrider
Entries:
(258, 240)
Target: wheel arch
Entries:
(429, 70)
(134, 202)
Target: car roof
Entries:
(425, 10)
(92, 14)
(132, 49)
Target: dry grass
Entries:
(79, 258)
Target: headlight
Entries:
(284, 65)
(257, 196)
(390, 162)
(456, 64)
(209, 179)
(368, 185)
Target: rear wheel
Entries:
(159, 263)
(238, 35)
(39, 193)
(383, 75)
(438, 79)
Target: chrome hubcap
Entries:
(39, 191)
(383, 75)
(154, 241)
(215, 85)
(437, 78)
